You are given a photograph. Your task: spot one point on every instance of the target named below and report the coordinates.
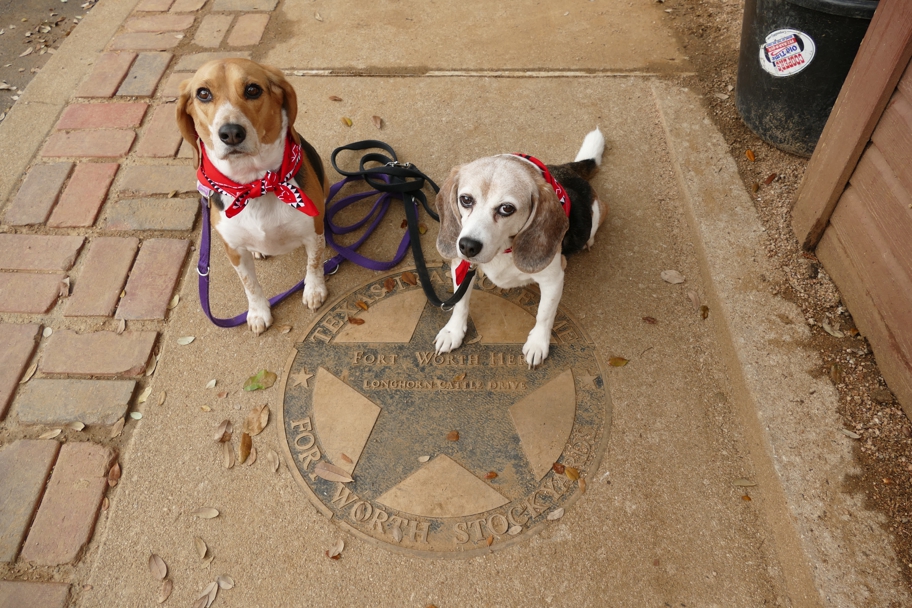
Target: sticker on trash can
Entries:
(786, 52)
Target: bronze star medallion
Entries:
(448, 455)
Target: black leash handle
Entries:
(406, 181)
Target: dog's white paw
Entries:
(535, 350)
(448, 339)
(259, 317)
(315, 293)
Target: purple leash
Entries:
(330, 266)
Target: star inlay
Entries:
(301, 378)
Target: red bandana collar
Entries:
(563, 197)
(278, 182)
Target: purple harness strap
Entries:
(330, 266)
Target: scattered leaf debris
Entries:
(378, 122)
(850, 434)
(224, 431)
(558, 468)
(263, 379)
(423, 458)
(331, 472)
(744, 483)
(746, 498)
(650, 320)
(459, 377)
(284, 329)
(117, 429)
(225, 582)
(200, 546)
(422, 228)
(244, 448)
(205, 513)
(704, 312)
(556, 514)
(389, 284)
(356, 321)
(491, 475)
(76, 426)
(227, 455)
(397, 534)
(157, 567)
(672, 276)
(769, 179)
(750, 155)
(165, 592)
(514, 530)
(572, 473)
(29, 373)
(114, 475)
(618, 361)
(185, 340)
(582, 485)
(489, 540)
(409, 277)
(362, 305)
(136, 415)
(253, 457)
(50, 434)
(211, 383)
(755, 187)
(144, 395)
(257, 420)
(335, 552)
(335, 98)
(273, 458)
(174, 302)
(347, 121)
(345, 458)
(453, 436)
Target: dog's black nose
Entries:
(232, 134)
(469, 247)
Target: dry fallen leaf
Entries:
(378, 122)
(222, 394)
(47, 332)
(582, 485)
(750, 155)
(76, 426)
(410, 278)
(263, 379)
(245, 447)
(850, 434)
(836, 373)
(273, 458)
(225, 582)
(200, 546)
(694, 299)
(114, 475)
(491, 475)
(345, 458)
(514, 530)
(404, 224)
(704, 312)
(185, 340)
(755, 187)
(746, 498)
(397, 534)
(157, 567)
(770, 178)
(335, 98)
(144, 395)
(356, 321)
(489, 540)
(117, 429)
(209, 593)
(50, 434)
(165, 592)
(558, 468)
(331, 472)
(150, 368)
(284, 329)
(224, 431)
(161, 398)
(422, 228)
(136, 415)
(453, 436)
(389, 284)
(556, 514)
(346, 121)
(208, 561)
(227, 455)
(252, 458)
(459, 377)
(29, 373)
(831, 330)
(618, 361)
(475, 339)
(650, 320)
(335, 551)
(257, 420)
(672, 276)
(423, 458)
(201, 602)
(744, 483)
(205, 513)
(362, 305)
(572, 473)
(64, 288)
(121, 326)
(174, 302)
(205, 408)
(318, 17)
(105, 503)
(211, 383)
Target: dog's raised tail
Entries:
(593, 146)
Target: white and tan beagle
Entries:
(514, 217)
(269, 183)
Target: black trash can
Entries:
(795, 55)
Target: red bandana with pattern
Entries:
(562, 196)
(278, 182)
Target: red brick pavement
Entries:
(20, 594)
(84, 195)
(143, 77)
(161, 137)
(102, 116)
(66, 518)
(152, 279)
(103, 143)
(19, 342)
(102, 354)
(248, 29)
(158, 23)
(97, 288)
(24, 469)
(35, 252)
(37, 195)
(212, 29)
(106, 76)
(29, 293)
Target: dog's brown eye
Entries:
(506, 209)
(466, 201)
(253, 91)
(204, 95)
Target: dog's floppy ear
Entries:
(450, 222)
(540, 239)
(280, 85)
(185, 121)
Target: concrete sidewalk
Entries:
(716, 474)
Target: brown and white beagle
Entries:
(514, 217)
(268, 182)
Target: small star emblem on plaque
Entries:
(301, 378)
